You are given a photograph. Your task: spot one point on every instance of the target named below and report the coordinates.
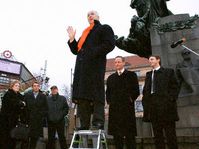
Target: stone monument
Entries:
(163, 33)
(152, 32)
(138, 41)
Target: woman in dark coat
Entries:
(12, 108)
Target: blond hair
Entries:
(14, 82)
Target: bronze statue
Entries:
(141, 6)
(138, 41)
(158, 8)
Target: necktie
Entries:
(152, 82)
(119, 73)
(35, 95)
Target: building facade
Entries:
(11, 70)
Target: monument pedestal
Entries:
(188, 110)
(162, 37)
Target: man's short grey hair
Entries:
(94, 12)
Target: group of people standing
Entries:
(159, 94)
(36, 110)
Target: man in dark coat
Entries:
(122, 91)
(88, 86)
(159, 101)
(37, 109)
(57, 110)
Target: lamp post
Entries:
(44, 84)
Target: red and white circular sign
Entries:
(7, 54)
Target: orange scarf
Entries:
(84, 35)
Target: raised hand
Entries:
(71, 33)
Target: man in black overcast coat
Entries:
(122, 91)
(37, 109)
(88, 84)
(159, 101)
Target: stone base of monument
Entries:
(165, 33)
(184, 142)
(188, 109)
(170, 29)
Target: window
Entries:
(138, 73)
(4, 80)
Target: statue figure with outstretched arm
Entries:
(138, 41)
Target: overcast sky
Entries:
(35, 30)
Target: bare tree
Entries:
(67, 93)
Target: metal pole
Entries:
(189, 49)
(43, 87)
(71, 86)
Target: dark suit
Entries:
(88, 84)
(37, 113)
(160, 108)
(121, 93)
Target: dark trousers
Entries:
(88, 107)
(60, 128)
(33, 143)
(129, 141)
(170, 133)
(8, 143)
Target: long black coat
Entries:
(163, 106)
(91, 62)
(12, 108)
(121, 93)
(37, 113)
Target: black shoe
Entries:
(98, 126)
(81, 128)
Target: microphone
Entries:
(175, 44)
